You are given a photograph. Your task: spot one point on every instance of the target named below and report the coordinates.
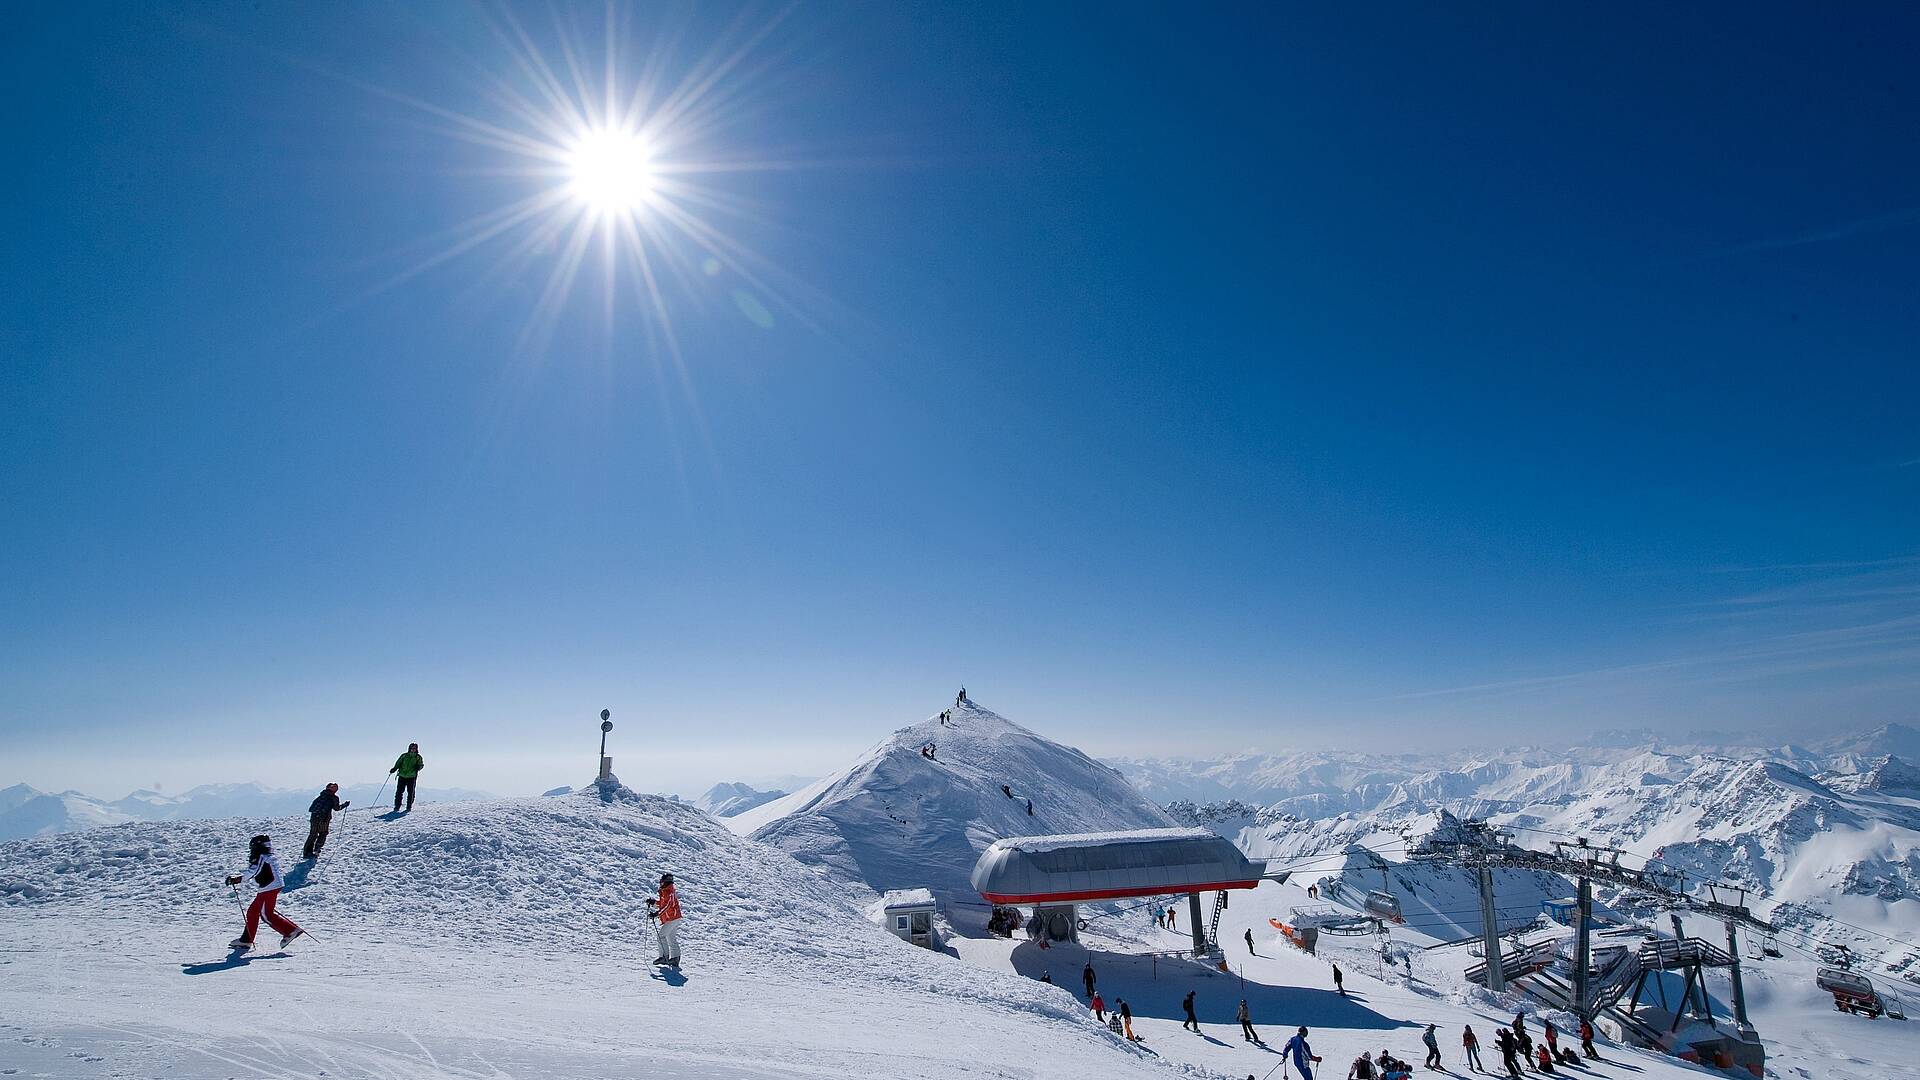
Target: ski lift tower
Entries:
(606, 778)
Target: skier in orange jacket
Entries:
(666, 908)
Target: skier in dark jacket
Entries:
(1471, 1043)
(1337, 983)
(1433, 1047)
(1086, 978)
(1250, 951)
(407, 768)
(1509, 1049)
(320, 819)
(1192, 1022)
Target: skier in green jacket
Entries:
(408, 769)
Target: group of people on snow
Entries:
(1517, 1048)
(263, 866)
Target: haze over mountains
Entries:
(26, 811)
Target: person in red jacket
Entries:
(666, 908)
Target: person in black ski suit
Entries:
(320, 819)
(1250, 951)
(1337, 984)
(1192, 1022)
(1504, 1042)
(1086, 977)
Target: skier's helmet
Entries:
(260, 843)
(666, 879)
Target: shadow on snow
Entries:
(1155, 990)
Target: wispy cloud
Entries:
(1879, 223)
(1852, 614)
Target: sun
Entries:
(610, 171)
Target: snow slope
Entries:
(894, 819)
(495, 940)
(1386, 1007)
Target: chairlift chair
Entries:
(1385, 905)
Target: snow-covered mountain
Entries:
(897, 818)
(25, 811)
(728, 799)
(1820, 833)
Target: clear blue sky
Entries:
(1404, 376)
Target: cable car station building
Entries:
(1056, 873)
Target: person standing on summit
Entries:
(320, 820)
(407, 767)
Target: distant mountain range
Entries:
(27, 811)
(728, 800)
(1830, 831)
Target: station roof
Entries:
(1105, 866)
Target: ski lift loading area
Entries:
(1056, 873)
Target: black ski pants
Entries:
(404, 784)
(317, 827)
(1433, 1057)
(1247, 1032)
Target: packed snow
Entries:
(501, 939)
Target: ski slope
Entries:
(1386, 1008)
(497, 940)
(895, 819)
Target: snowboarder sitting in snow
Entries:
(666, 908)
(320, 819)
(264, 871)
(1362, 1067)
(407, 767)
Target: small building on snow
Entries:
(909, 915)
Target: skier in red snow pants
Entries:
(263, 869)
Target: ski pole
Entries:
(381, 791)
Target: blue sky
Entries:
(1411, 376)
